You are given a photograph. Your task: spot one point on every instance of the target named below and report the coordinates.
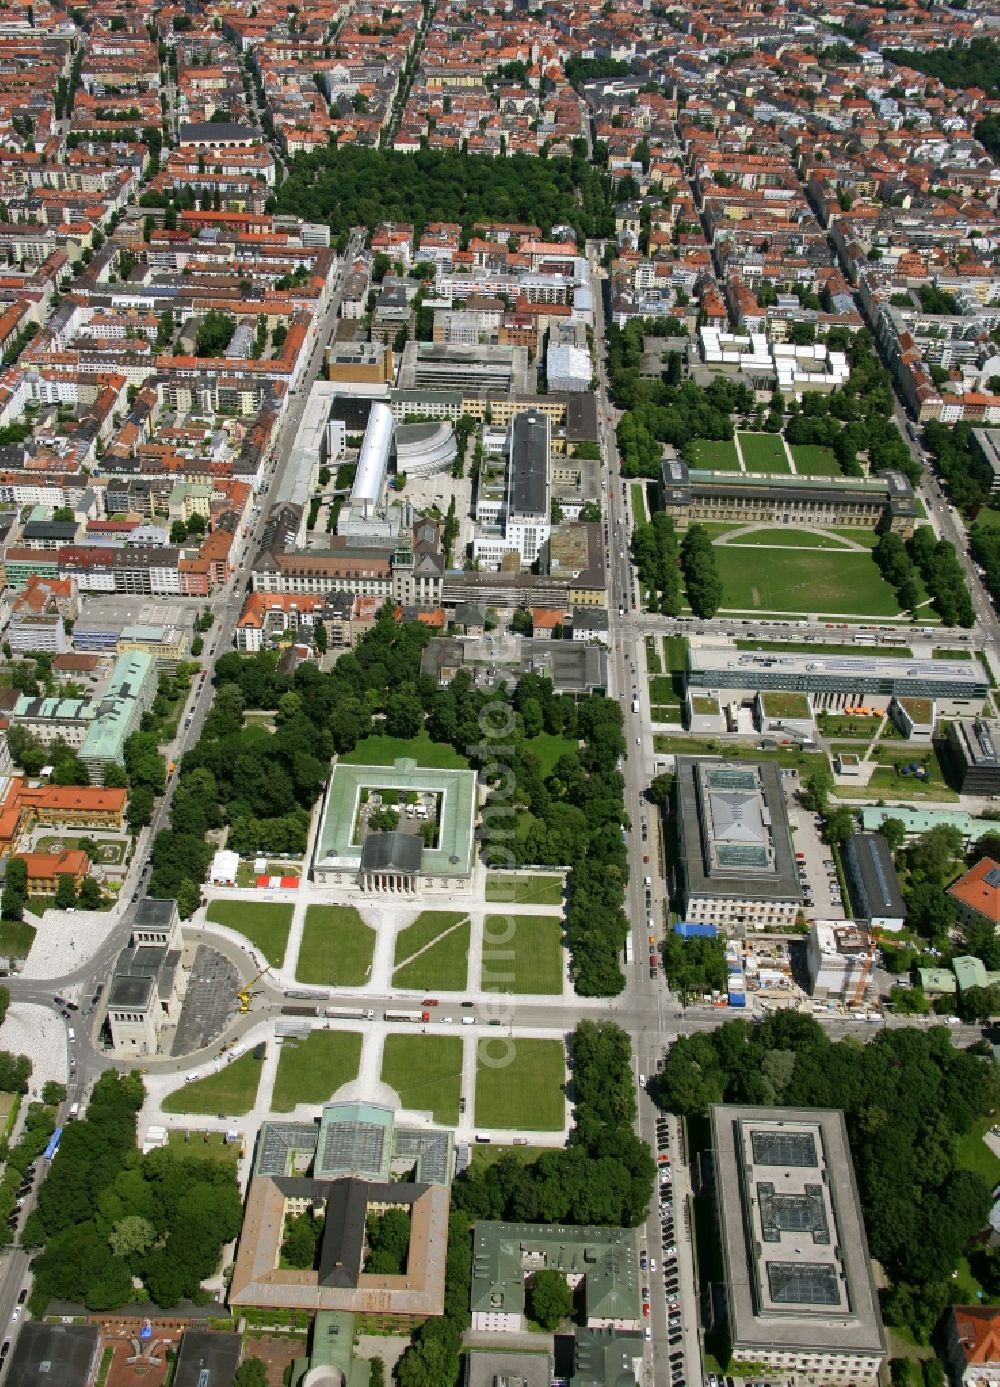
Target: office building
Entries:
(736, 864)
(974, 755)
(872, 881)
(799, 1297)
(840, 682)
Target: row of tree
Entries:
(107, 1214)
(907, 1098)
(701, 573)
(654, 550)
(943, 575)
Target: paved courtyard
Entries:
(209, 1004)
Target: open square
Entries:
(311, 1070)
(433, 952)
(714, 455)
(336, 948)
(232, 1090)
(523, 954)
(266, 925)
(519, 1084)
(426, 1072)
(763, 452)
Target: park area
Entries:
(714, 455)
(787, 539)
(311, 1070)
(110, 852)
(433, 952)
(523, 954)
(336, 948)
(232, 1090)
(266, 926)
(818, 581)
(426, 1072)
(763, 452)
(522, 888)
(383, 750)
(813, 460)
(519, 1084)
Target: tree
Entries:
(550, 1300)
(131, 1235)
(817, 790)
(839, 826)
(252, 1372)
(215, 332)
(894, 833)
(65, 891)
(388, 1237)
(90, 897)
(53, 1093)
(140, 808)
(302, 1239)
(15, 889)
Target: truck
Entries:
(629, 953)
(635, 705)
(416, 1016)
(351, 1013)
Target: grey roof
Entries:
(529, 465)
(67, 1350)
(218, 130)
(207, 1359)
(872, 877)
(154, 913)
(391, 852)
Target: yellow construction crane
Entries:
(244, 994)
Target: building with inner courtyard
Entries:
(397, 830)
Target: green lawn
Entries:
(522, 953)
(311, 1070)
(866, 538)
(790, 539)
(426, 1072)
(110, 852)
(964, 654)
(519, 1084)
(16, 938)
(489, 1155)
(903, 652)
(517, 888)
(812, 460)
(763, 452)
(336, 948)
(232, 1090)
(885, 781)
(715, 455)
(661, 689)
(204, 1145)
(384, 751)
(549, 748)
(265, 925)
(804, 761)
(444, 964)
(653, 664)
(972, 1153)
(785, 705)
(638, 493)
(813, 581)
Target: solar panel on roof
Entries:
(992, 877)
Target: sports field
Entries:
(426, 1072)
(810, 581)
(716, 455)
(336, 948)
(763, 452)
(433, 952)
(812, 460)
(519, 1084)
(522, 953)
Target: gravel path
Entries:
(41, 1035)
(65, 941)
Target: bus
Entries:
(53, 1145)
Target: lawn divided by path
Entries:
(812, 581)
(813, 460)
(311, 1070)
(519, 1084)
(426, 1072)
(763, 452)
(789, 539)
(385, 751)
(232, 1090)
(516, 888)
(522, 953)
(336, 948)
(444, 964)
(265, 925)
(715, 455)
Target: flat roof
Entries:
(207, 1358)
(797, 1267)
(809, 663)
(59, 1354)
(457, 813)
(529, 464)
(879, 884)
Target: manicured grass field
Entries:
(972, 1153)
(336, 948)
(444, 965)
(805, 762)
(661, 689)
(517, 888)
(886, 783)
(716, 455)
(525, 1093)
(763, 452)
(638, 496)
(384, 751)
(265, 925)
(205, 1145)
(232, 1090)
(813, 581)
(489, 1155)
(653, 664)
(110, 852)
(866, 538)
(789, 539)
(16, 938)
(903, 652)
(812, 460)
(778, 704)
(426, 1072)
(311, 1070)
(549, 748)
(522, 953)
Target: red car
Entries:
(645, 1308)
(430, 1002)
